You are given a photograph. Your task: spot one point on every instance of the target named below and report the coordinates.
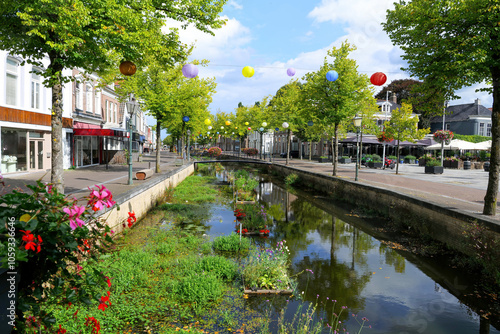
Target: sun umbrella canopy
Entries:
(455, 144)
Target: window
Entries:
(488, 129)
(89, 101)
(35, 89)
(107, 116)
(78, 96)
(97, 95)
(481, 129)
(447, 126)
(11, 82)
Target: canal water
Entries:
(345, 263)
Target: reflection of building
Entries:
(25, 119)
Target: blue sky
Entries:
(272, 36)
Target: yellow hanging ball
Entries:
(208, 122)
(228, 122)
(248, 71)
(246, 123)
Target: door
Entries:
(36, 154)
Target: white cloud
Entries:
(234, 4)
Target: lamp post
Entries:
(188, 145)
(386, 105)
(132, 107)
(442, 143)
(185, 119)
(285, 126)
(357, 124)
(262, 147)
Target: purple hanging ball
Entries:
(290, 72)
(190, 71)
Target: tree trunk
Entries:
(397, 159)
(158, 146)
(490, 199)
(335, 149)
(57, 160)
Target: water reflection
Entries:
(397, 291)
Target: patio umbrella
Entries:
(455, 144)
(404, 143)
(484, 145)
(366, 140)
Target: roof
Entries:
(393, 107)
(462, 112)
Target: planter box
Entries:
(345, 160)
(375, 164)
(434, 170)
(453, 164)
(486, 166)
(323, 160)
(422, 162)
(409, 161)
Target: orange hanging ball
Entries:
(127, 68)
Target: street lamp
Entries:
(185, 119)
(285, 126)
(357, 124)
(442, 143)
(188, 145)
(261, 130)
(132, 107)
(387, 106)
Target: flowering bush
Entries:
(443, 136)
(214, 151)
(253, 217)
(50, 241)
(382, 137)
(250, 151)
(268, 268)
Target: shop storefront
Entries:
(94, 146)
(23, 150)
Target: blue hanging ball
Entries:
(185, 119)
(332, 76)
(277, 129)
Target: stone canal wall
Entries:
(449, 226)
(143, 198)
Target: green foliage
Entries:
(392, 157)
(221, 267)
(472, 139)
(291, 179)
(410, 157)
(231, 243)
(50, 246)
(196, 189)
(267, 268)
(255, 218)
(376, 157)
(432, 162)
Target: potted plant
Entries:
(323, 158)
(433, 166)
(423, 159)
(450, 162)
(345, 160)
(375, 162)
(410, 159)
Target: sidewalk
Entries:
(114, 177)
(455, 188)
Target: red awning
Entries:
(100, 132)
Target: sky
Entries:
(272, 36)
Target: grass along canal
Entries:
(168, 277)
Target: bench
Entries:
(144, 174)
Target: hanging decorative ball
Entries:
(190, 71)
(332, 76)
(210, 127)
(310, 123)
(290, 72)
(222, 127)
(233, 133)
(246, 123)
(277, 129)
(378, 79)
(228, 122)
(264, 124)
(208, 122)
(185, 119)
(201, 136)
(235, 127)
(285, 125)
(248, 71)
(249, 128)
(208, 132)
(217, 132)
(127, 68)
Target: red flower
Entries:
(96, 326)
(61, 330)
(103, 301)
(30, 239)
(131, 219)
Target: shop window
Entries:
(12, 82)
(488, 130)
(481, 129)
(35, 89)
(13, 150)
(78, 96)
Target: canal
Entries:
(346, 262)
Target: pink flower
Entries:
(74, 213)
(101, 198)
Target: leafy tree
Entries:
(339, 101)
(401, 87)
(403, 126)
(95, 35)
(452, 45)
(286, 106)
